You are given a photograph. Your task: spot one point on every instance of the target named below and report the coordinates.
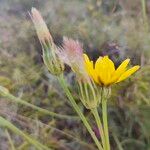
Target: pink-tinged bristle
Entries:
(72, 46)
(40, 25)
(72, 54)
(36, 15)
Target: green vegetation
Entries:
(120, 29)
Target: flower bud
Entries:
(90, 94)
(50, 50)
(41, 27)
(52, 62)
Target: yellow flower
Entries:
(103, 72)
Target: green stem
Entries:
(117, 142)
(44, 111)
(143, 9)
(7, 124)
(143, 3)
(105, 122)
(78, 111)
(23, 146)
(100, 127)
(10, 140)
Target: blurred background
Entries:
(118, 28)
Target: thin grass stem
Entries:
(119, 145)
(7, 124)
(44, 111)
(10, 140)
(145, 19)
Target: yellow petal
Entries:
(88, 64)
(98, 62)
(128, 73)
(111, 66)
(95, 77)
(105, 75)
(90, 68)
(86, 58)
(99, 69)
(110, 71)
(104, 68)
(120, 70)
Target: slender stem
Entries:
(78, 111)
(143, 3)
(105, 122)
(10, 140)
(143, 9)
(119, 145)
(23, 146)
(44, 111)
(7, 124)
(100, 127)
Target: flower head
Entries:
(71, 53)
(103, 72)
